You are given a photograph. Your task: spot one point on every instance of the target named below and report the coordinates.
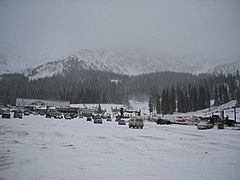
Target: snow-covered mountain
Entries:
(227, 68)
(122, 62)
(131, 62)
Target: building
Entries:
(22, 102)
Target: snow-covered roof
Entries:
(42, 102)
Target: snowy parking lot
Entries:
(40, 148)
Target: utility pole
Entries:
(235, 114)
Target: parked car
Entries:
(163, 121)
(220, 126)
(98, 120)
(89, 118)
(58, 116)
(67, 116)
(6, 113)
(205, 125)
(48, 115)
(73, 115)
(216, 119)
(18, 114)
(136, 122)
(26, 113)
(109, 118)
(121, 122)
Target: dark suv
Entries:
(18, 114)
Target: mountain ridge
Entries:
(130, 62)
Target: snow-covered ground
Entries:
(40, 148)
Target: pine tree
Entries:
(165, 101)
(180, 100)
(99, 108)
(150, 105)
(216, 97)
(167, 105)
(238, 97)
(158, 104)
(172, 100)
(225, 95)
(207, 100)
(194, 99)
(202, 97)
(220, 95)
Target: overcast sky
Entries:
(209, 27)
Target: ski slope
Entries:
(40, 148)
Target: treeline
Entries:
(144, 85)
(89, 86)
(76, 87)
(192, 92)
(197, 95)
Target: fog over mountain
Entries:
(34, 32)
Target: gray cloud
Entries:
(209, 27)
